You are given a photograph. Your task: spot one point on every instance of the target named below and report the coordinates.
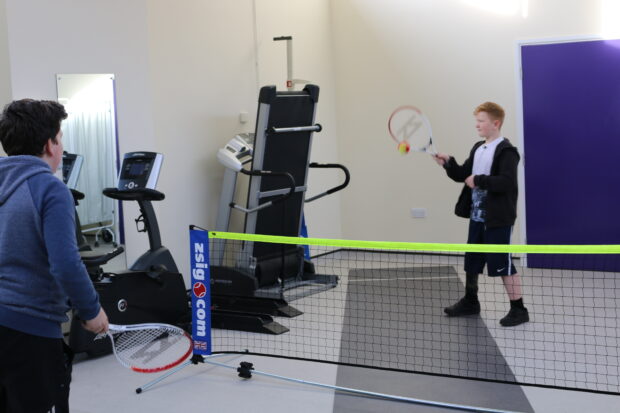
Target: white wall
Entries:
(183, 75)
(5, 71)
(309, 23)
(445, 56)
(202, 75)
(65, 36)
(207, 63)
(184, 72)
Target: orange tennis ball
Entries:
(403, 147)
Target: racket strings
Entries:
(408, 124)
(150, 348)
(409, 127)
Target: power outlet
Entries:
(418, 212)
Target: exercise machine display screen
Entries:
(66, 170)
(136, 169)
(237, 151)
(140, 170)
(71, 167)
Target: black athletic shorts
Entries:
(498, 264)
(34, 373)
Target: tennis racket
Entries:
(411, 130)
(149, 348)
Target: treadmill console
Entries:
(237, 151)
(71, 167)
(140, 170)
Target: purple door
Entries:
(571, 108)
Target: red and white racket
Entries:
(411, 130)
(149, 348)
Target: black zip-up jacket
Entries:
(501, 185)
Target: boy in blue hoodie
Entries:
(40, 267)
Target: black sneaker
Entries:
(464, 306)
(515, 317)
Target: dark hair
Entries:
(26, 125)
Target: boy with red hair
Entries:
(489, 200)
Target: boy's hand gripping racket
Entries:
(149, 348)
(411, 130)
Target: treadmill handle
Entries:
(273, 201)
(347, 178)
(314, 128)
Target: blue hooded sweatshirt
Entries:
(40, 266)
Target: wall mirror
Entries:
(90, 132)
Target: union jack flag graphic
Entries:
(200, 345)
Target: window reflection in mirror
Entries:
(90, 131)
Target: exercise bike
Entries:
(152, 289)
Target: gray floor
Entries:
(101, 385)
(334, 328)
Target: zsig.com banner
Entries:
(201, 291)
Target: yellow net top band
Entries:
(421, 246)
